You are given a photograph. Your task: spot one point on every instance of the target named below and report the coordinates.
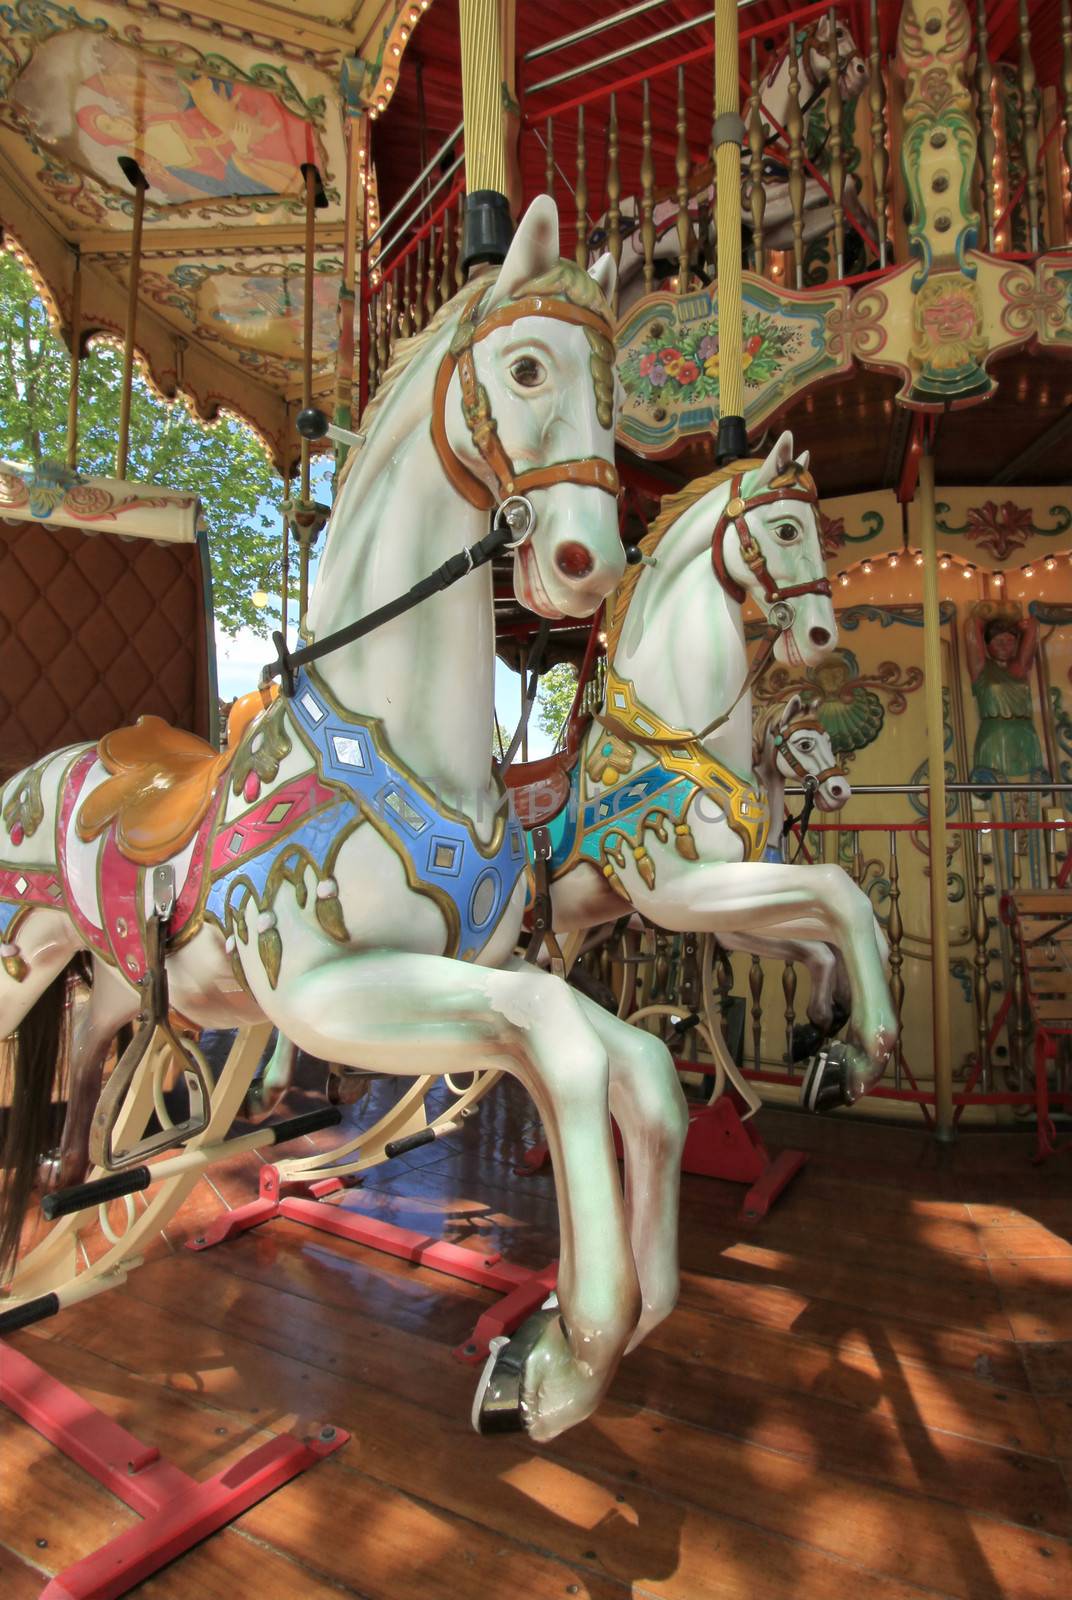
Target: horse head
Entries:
(766, 545)
(524, 414)
(830, 41)
(801, 749)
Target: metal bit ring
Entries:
(519, 516)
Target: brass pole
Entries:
(488, 227)
(135, 176)
(936, 801)
(728, 137)
(76, 361)
(302, 530)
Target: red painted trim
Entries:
(178, 1511)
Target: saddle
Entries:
(540, 788)
(162, 784)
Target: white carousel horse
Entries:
(668, 819)
(816, 57)
(328, 868)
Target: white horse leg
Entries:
(804, 903)
(399, 1014)
(111, 1004)
(649, 1107)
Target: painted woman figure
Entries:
(1001, 653)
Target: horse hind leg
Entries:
(34, 1009)
(110, 1007)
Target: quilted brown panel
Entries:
(96, 631)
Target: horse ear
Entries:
(794, 707)
(779, 460)
(804, 460)
(605, 274)
(533, 252)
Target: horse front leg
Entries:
(767, 900)
(405, 1014)
(649, 1107)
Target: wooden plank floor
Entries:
(869, 1394)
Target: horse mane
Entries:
(564, 278)
(766, 719)
(671, 508)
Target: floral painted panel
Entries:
(669, 358)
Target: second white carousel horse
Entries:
(351, 871)
(664, 813)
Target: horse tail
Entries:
(39, 1056)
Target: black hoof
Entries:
(826, 1083)
(807, 1039)
(498, 1406)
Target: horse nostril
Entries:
(819, 636)
(574, 559)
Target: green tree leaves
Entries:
(224, 462)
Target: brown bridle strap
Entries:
(782, 747)
(735, 515)
(592, 472)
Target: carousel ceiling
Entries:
(221, 105)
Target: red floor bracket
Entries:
(719, 1144)
(177, 1511)
(523, 1290)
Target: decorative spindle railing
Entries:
(623, 140)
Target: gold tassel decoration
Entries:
(645, 865)
(685, 843)
(329, 911)
(269, 946)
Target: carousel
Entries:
(673, 1199)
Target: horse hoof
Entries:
(498, 1405)
(345, 1087)
(828, 1080)
(807, 1039)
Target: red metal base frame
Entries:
(719, 1144)
(177, 1511)
(523, 1290)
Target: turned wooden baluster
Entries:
(1018, 1026)
(459, 227)
(794, 127)
(981, 963)
(614, 198)
(444, 274)
(1066, 84)
(723, 978)
(549, 158)
(390, 322)
(581, 193)
(381, 329)
(789, 991)
(647, 193)
(405, 320)
(418, 289)
(1028, 90)
(985, 113)
(758, 196)
(837, 165)
(430, 285)
(894, 938)
(755, 989)
(374, 345)
(681, 167)
(876, 99)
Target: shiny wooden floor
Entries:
(867, 1395)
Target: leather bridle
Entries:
(591, 472)
(783, 748)
(793, 484)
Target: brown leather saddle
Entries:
(162, 782)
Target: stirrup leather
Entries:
(154, 1018)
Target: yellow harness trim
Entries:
(746, 809)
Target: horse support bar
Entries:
(413, 1141)
(81, 1288)
(117, 1184)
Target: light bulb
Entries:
(919, 559)
(865, 566)
(944, 563)
(1029, 572)
(1049, 564)
(843, 579)
(893, 561)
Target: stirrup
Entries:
(154, 1019)
(827, 1083)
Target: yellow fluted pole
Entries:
(936, 802)
(76, 361)
(487, 212)
(137, 178)
(729, 132)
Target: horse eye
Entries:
(528, 372)
(787, 532)
(805, 747)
